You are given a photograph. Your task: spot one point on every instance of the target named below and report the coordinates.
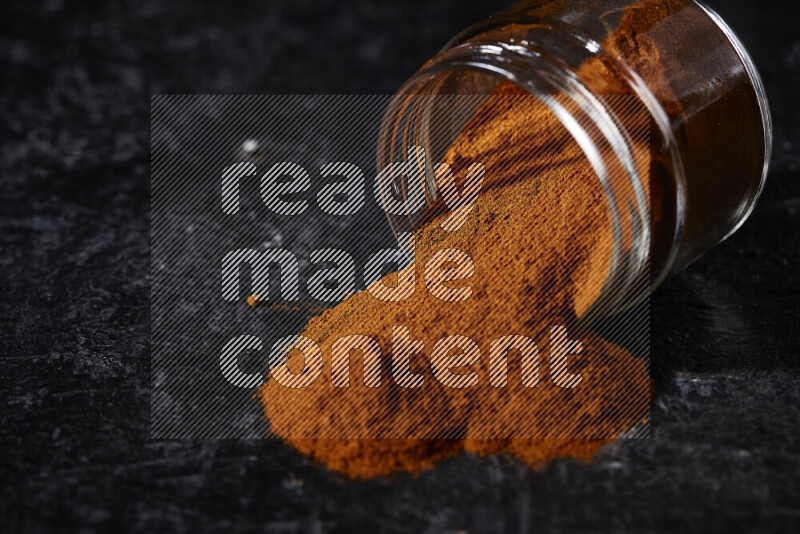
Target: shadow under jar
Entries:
(676, 61)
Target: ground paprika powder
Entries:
(541, 241)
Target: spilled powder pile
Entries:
(540, 241)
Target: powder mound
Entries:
(540, 240)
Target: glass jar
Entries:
(710, 130)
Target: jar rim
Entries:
(629, 269)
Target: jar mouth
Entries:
(763, 105)
(588, 121)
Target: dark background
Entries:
(74, 307)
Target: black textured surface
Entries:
(74, 419)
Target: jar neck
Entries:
(467, 68)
